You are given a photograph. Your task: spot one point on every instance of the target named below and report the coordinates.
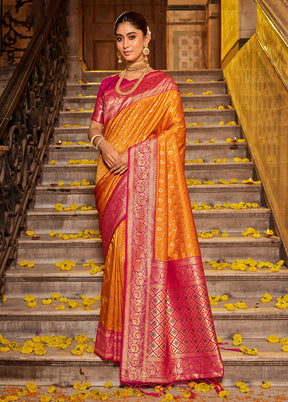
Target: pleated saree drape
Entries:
(155, 312)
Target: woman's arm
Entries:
(108, 152)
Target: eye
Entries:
(132, 37)
(119, 39)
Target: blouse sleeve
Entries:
(98, 114)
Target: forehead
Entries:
(125, 28)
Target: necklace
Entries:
(138, 65)
(117, 88)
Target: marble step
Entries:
(16, 318)
(17, 369)
(196, 101)
(53, 249)
(177, 75)
(206, 117)
(44, 279)
(227, 220)
(197, 88)
(193, 133)
(207, 152)
(216, 194)
(201, 171)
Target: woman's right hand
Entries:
(109, 153)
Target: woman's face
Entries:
(130, 42)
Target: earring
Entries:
(119, 57)
(146, 51)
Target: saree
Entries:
(155, 318)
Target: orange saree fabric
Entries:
(155, 316)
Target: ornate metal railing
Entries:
(29, 107)
(12, 29)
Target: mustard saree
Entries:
(155, 312)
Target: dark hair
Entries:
(136, 19)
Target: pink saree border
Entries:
(114, 213)
(168, 329)
(107, 345)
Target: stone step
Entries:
(177, 75)
(202, 171)
(48, 369)
(197, 88)
(16, 318)
(206, 117)
(215, 194)
(82, 250)
(194, 133)
(43, 280)
(207, 152)
(196, 101)
(227, 220)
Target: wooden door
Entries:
(99, 49)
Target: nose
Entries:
(125, 42)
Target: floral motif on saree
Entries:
(167, 332)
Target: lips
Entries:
(127, 53)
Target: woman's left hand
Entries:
(121, 164)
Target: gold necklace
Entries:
(117, 88)
(138, 65)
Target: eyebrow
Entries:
(129, 33)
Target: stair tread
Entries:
(207, 165)
(255, 308)
(50, 270)
(212, 146)
(45, 238)
(221, 212)
(266, 352)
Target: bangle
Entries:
(93, 138)
(97, 145)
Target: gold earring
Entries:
(119, 57)
(146, 51)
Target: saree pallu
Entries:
(155, 315)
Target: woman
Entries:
(155, 316)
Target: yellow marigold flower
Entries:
(4, 349)
(265, 385)
(58, 207)
(60, 183)
(82, 339)
(52, 234)
(108, 385)
(29, 298)
(233, 181)
(46, 302)
(285, 348)
(26, 350)
(36, 339)
(45, 398)
(221, 123)
(224, 297)
(52, 162)
(284, 341)
(60, 307)
(4, 298)
(240, 304)
(23, 263)
(31, 265)
(52, 389)
(55, 296)
(215, 231)
(212, 141)
(66, 125)
(229, 306)
(202, 387)
(31, 386)
(65, 237)
(223, 394)
(168, 397)
(281, 304)
(266, 298)
(217, 206)
(22, 392)
(273, 339)
(32, 304)
(29, 232)
(225, 234)
(219, 340)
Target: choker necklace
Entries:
(117, 87)
(138, 65)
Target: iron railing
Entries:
(29, 107)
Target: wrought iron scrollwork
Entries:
(26, 129)
(12, 31)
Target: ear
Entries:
(147, 38)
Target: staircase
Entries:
(255, 323)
